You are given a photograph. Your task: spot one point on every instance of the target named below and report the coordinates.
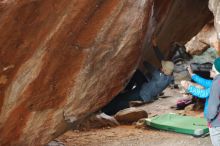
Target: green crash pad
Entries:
(180, 124)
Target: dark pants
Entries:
(121, 101)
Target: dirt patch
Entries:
(131, 136)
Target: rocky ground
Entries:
(132, 136)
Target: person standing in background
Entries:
(213, 112)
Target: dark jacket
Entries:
(213, 113)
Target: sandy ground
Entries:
(131, 136)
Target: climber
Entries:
(141, 88)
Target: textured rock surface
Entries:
(214, 6)
(175, 21)
(60, 61)
(206, 38)
(97, 120)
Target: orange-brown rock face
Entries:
(61, 60)
(175, 21)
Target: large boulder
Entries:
(61, 60)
